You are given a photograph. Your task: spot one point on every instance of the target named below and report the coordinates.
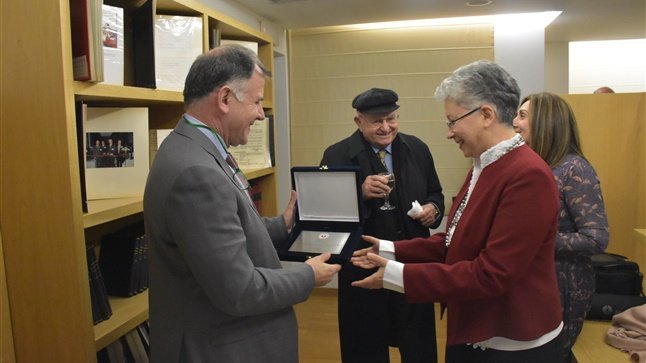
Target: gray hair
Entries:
(230, 64)
(481, 82)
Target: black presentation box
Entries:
(329, 214)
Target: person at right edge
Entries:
(548, 125)
(493, 269)
(371, 321)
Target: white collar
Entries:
(497, 151)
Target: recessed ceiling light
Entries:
(479, 2)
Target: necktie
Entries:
(382, 157)
(232, 162)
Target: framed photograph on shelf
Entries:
(116, 152)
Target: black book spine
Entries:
(80, 140)
(89, 253)
(101, 309)
(145, 262)
(118, 260)
(144, 45)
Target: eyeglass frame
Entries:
(451, 123)
(242, 184)
(239, 182)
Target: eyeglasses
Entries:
(240, 180)
(451, 123)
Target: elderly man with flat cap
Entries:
(372, 320)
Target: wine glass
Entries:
(391, 185)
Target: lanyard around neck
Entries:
(240, 181)
(215, 133)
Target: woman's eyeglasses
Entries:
(451, 123)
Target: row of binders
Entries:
(161, 47)
(101, 309)
(133, 347)
(121, 269)
(124, 261)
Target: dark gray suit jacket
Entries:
(217, 289)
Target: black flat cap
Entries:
(376, 100)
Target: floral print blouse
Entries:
(582, 222)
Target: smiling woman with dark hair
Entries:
(547, 123)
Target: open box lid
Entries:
(328, 214)
(327, 195)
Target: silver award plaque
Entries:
(320, 241)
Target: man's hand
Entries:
(289, 215)
(376, 280)
(427, 216)
(323, 272)
(375, 186)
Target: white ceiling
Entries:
(579, 20)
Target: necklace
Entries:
(517, 141)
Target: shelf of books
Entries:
(108, 74)
(147, 92)
(127, 314)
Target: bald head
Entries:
(604, 90)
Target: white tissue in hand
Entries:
(415, 210)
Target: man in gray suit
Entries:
(217, 289)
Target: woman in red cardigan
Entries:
(493, 269)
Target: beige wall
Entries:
(330, 66)
(556, 67)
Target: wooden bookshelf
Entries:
(43, 226)
(87, 91)
(127, 314)
(106, 210)
(258, 173)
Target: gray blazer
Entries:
(217, 289)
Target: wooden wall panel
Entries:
(40, 202)
(408, 61)
(320, 41)
(613, 134)
(7, 352)
(330, 66)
